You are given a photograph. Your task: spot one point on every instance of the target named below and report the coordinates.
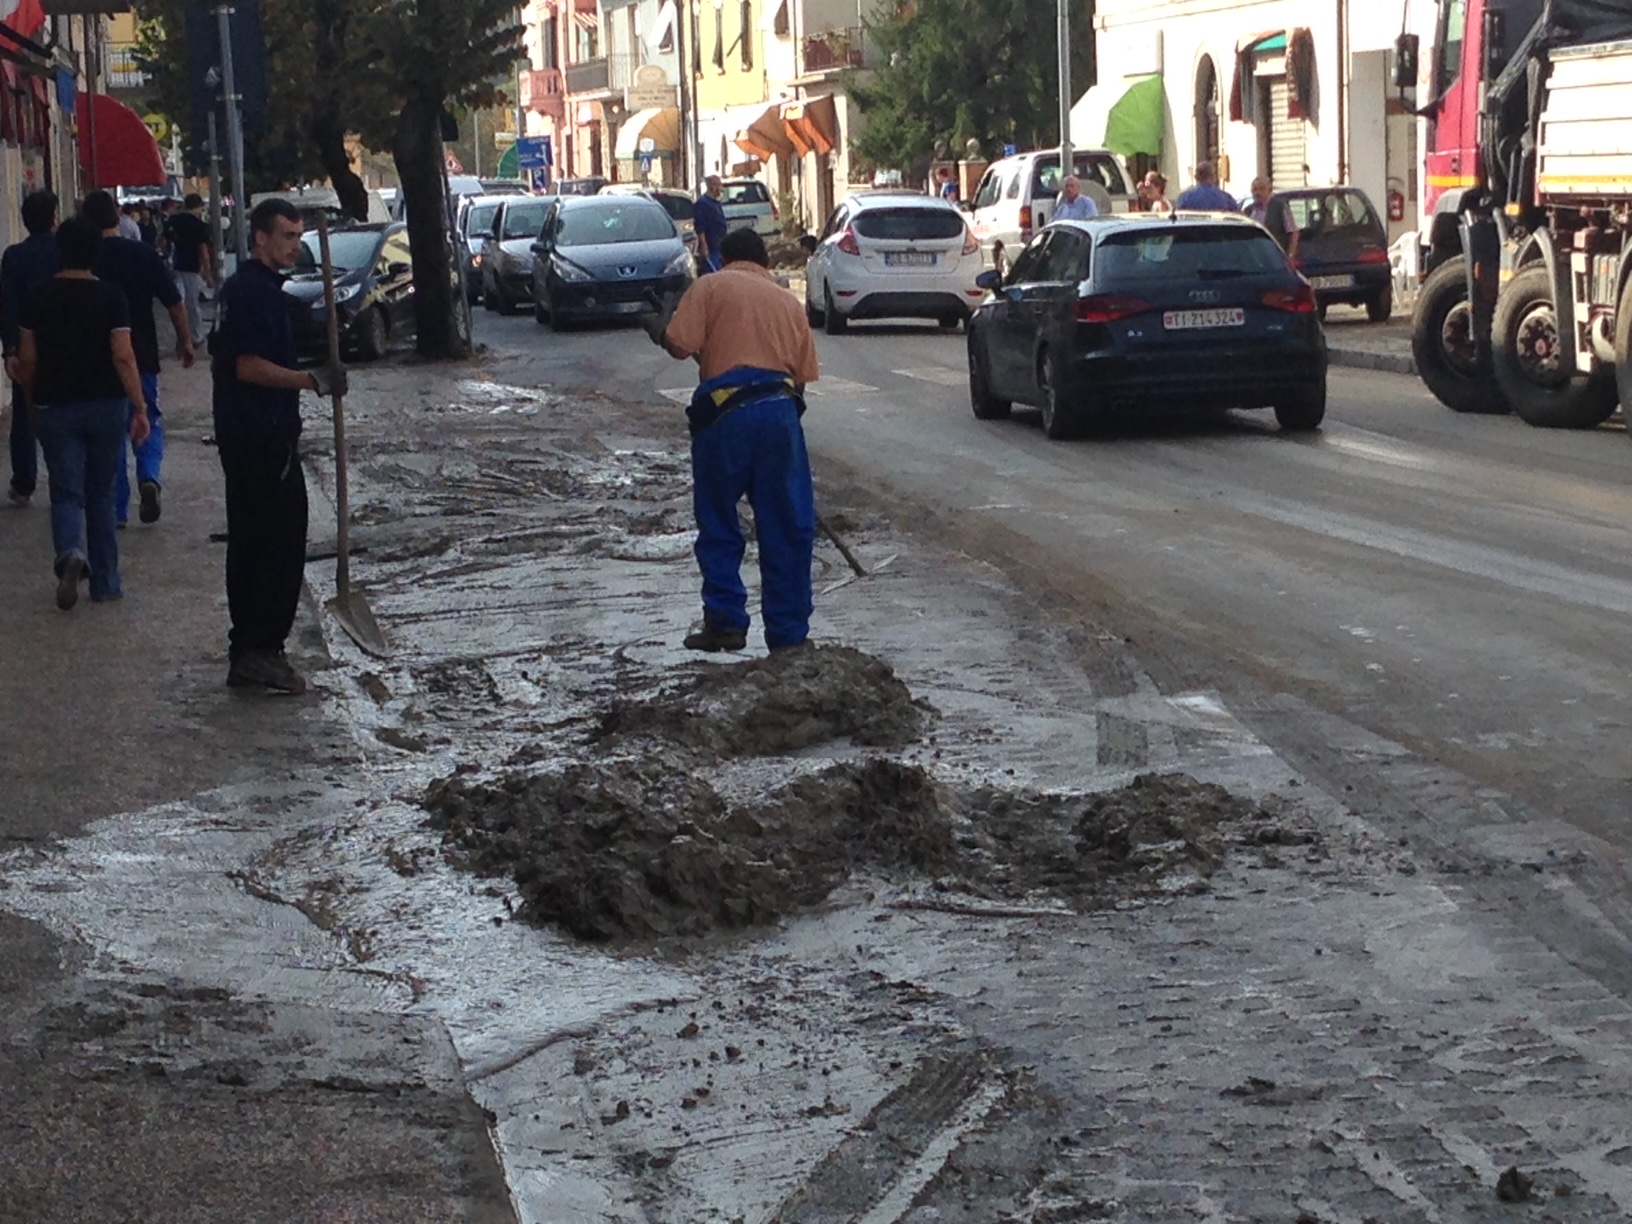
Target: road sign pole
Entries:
(235, 135)
(1063, 21)
(215, 200)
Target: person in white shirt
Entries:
(1073, 205)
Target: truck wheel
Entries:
(1442, 343)
(1623, 349)
(1535, 382)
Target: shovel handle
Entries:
(342, 481)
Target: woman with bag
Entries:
(76, 361)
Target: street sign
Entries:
(159, 126)
(650, 90)
(503, 140)
(645, 163)
(510, 164)
(1009, 150)
(534, 152)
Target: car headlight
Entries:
(569, 271)
(346, 292)
(679, 265)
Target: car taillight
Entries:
(971, 244)
(1025, 218)
(1294, 301)
(1372, 255)
(847, 243)
(1107, 308)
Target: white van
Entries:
(1016, 196)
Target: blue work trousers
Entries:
(83, 443)
(149, 455)
(25, 456)
(757, 452)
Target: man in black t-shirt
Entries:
(192, 256)
(140, 274)
(254, 361)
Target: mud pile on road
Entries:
(642, 847)
(782, 703)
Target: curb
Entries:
(1362, 359)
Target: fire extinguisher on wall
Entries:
(1396, 203)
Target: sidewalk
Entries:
(128, 1091)
(1354, 341)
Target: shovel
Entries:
(350, 608)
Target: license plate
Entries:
(742, 223)
(1331, 282)
(1185, 320)
(909, 259)
(627, 307)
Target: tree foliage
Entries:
(386, 70)
(952, 70)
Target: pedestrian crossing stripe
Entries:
(946, 376)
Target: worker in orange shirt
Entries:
(756, 354)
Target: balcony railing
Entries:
(543, 91)
(834, 50)
(589, 76)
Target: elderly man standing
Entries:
(1206, 195)
(710, 223)
(756, 353)
(1073, 205)
(1275, 218)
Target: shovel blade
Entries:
(357, 619)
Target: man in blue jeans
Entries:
(756, 353)
(138, 271)
(710, 223)
(25, 267)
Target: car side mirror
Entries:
(990, 280)
(540, 248)
(1405, 61)
(398, 268)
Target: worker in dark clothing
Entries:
(257, 432)
(710, 225)
(138, 271)
(24, 268)
(756, 354)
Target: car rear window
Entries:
(1185, 253)
(1333, 214)
(524, 220)
(908, 224)
(1090, 168)
(631, 221)
(746, 193)
(479, 220)
(681, 208)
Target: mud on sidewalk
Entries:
(960, 920)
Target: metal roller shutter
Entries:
(1287, 150)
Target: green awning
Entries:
(1137, 121)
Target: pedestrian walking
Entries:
(946, 185)
(24, 267)
(149, 227)
(136, 270)
(129, 227)
(1273, 217)
(75, 358)
(1072, 204)
(755, 354)
(710, 224)
(192, 255)
(257, 435)
(1154, 192)
(1206, 195)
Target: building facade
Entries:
(1298, 93)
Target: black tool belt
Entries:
(709, 408)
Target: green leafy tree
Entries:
(954, 70)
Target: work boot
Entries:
(151, 509)
(73, 573)
(17, 498)
(713, 639)
(802, 644)
(267, 669)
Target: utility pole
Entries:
(215, 201)
(235, 134)
(1063, 13)
(688, 147)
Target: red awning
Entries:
(126, 153)
(24, 16)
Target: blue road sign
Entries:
(1009, 150)
(534, 152)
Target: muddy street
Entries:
(965, 913)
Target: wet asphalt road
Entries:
(1460, 587)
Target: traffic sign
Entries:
(159, 126)
(1009, 150)
(534, 152)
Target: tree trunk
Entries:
(418, 154)
(325, 122)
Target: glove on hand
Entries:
(657, 323)
(330, 379)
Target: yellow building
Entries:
(726, 44)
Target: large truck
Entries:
(1527, 245)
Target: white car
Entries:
(1015, 198)
(893, 255)
(748, 205)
